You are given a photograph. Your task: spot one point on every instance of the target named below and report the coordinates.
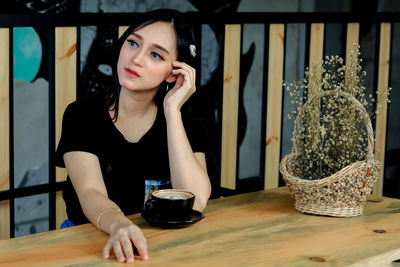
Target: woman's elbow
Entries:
(200, 205)
(200, 202)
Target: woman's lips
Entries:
(132, 73)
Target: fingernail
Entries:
(129, 259)
(145, 257)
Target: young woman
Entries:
(114, 146)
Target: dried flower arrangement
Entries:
(339, 136)
(331, 169)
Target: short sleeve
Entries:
(77, 134)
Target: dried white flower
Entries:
(331, 133)
(192, 48)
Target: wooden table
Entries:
(255, 229)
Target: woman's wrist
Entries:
(172, 113)
(120, 221)
(104, 212)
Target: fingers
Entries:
(127, 249)
(184, 66)
(107, 249)
(118, 251)
(140, 243)
(187, 71)
(122, 242)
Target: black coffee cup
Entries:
(170, 203)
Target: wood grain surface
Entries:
(230, 108)
(65, 80)
(381, 118)
(274, 105)
(4, 110)
(316, 56)
(352, 40)
(4, 131)
(254, 229)
(65, 87)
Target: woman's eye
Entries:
(133, 43)
(156, 56)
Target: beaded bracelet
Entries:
(104, 212)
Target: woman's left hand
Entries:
(185, 86)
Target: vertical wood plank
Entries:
(5, 219)
(315, 60)
(230, 105)
(4, 131)
(316, 54)
(383, 83)
(65, 90)
(274, 105)
(352, 40)
(121, 30)
(4, 110)
(65, 79)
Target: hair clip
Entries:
(192, 48)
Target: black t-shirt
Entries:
(87, 126)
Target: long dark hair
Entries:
(184, 38)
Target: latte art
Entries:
(172, 194)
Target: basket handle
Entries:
(358, 105)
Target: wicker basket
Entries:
(344, 193)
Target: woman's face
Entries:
(146, 57)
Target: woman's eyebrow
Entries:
(156, 45)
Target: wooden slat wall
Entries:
(316, 54)
(4, 132)
(121, 30)
(230, 105)
(4, 110)
(5, 219)
(315, 60)
(65, 87)
(274, 105)
(383, 83)
(352, 38)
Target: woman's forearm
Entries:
(187, 172)
(101, 211)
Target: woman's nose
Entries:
(138, 58)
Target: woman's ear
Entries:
(171, 78)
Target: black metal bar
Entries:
(11, 132)
(52, 141)
(30, 190)
(86, 19)
(264, 102)
(344, 34)
(220, 30)
(198, 32)
(78, 61)
(240, 99)
(280, 180)
(307, 52)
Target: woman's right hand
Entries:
(123, 238)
